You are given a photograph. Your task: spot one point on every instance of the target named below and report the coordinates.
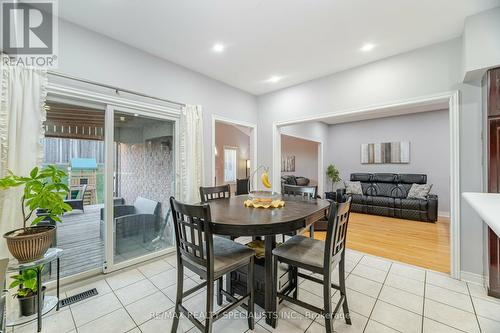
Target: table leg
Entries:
(270, 302)
(39, 298)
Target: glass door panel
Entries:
(74, 142)
(144, 174)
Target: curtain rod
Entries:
(113, 88)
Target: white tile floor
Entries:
(383, 296)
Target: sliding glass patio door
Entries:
(140, 180)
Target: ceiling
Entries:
(297, 40)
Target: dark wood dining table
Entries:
(232, 218)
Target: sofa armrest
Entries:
(432, 208)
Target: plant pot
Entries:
(30, 244)
(28, 305)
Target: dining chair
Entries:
(306, 192)
(320, 257)
(211, 257)
(209, 193)
(242, 186)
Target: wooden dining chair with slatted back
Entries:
(211, 257)
(209, 193)
(306, 192)
(320, 257)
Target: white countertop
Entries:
(487, 205)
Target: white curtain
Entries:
(191, 153)
(22, 113)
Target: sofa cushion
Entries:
(413, 204)
(412, 178)
(419, 191)
(361, 177)
(385, 178)
(353, 188)
(358, 198)
(380, 201)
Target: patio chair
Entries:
(76, 196)
(139, 219)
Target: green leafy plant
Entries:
(43, 190)
(26, 281)
(333, 174)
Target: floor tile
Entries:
(94, 308)
(449, 297)
(407, 271)
(353, 256)
(362, 285)
(149, 307)
(314, 287)
(163, 323)
(357, 302)
(450, 316)
(403, 299)
(60, 322)
(481, 292)
(444, 281)
(136, 291)
(339, 325)
(486, 308)
(349, 265)
(115, 322)
(164, 279)
(289, 321)
(122, 279)
(370, 273)
(101, 286)
(431, 326)
(233, 322)
(153, 268)
(307, 297)
(376, 327)
(396, 318)
(403, 283)
(488, 325)
(376, 262)
(171, 291)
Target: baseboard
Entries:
(472, 278)
(444, 214)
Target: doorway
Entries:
(447, 100)
(234, 152)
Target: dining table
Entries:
(230, 217)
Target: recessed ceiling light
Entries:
(367, 47)
(218, 47)
(274, 79)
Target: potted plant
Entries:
(27, 291)
(43, 191)
(333, 174)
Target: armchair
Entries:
(76, 196)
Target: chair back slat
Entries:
(336, 235)
(193, 235)
(308, 192)
(215, 192)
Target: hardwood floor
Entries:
(418, 243)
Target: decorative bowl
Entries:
(263, 196)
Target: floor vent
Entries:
(78, 297)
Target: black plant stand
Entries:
(13, 316)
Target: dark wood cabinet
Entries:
(494, 92)
(493, 128)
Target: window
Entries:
(229, 165)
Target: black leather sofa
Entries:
(386, 194)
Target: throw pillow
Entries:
(419, 191)
(353, 188)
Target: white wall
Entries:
(427, 132)
(228, 135)
(430, 70)
(91, 56)
(481, 49)
(306, 157)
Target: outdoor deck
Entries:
(78, 236)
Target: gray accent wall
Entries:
(427, 132)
